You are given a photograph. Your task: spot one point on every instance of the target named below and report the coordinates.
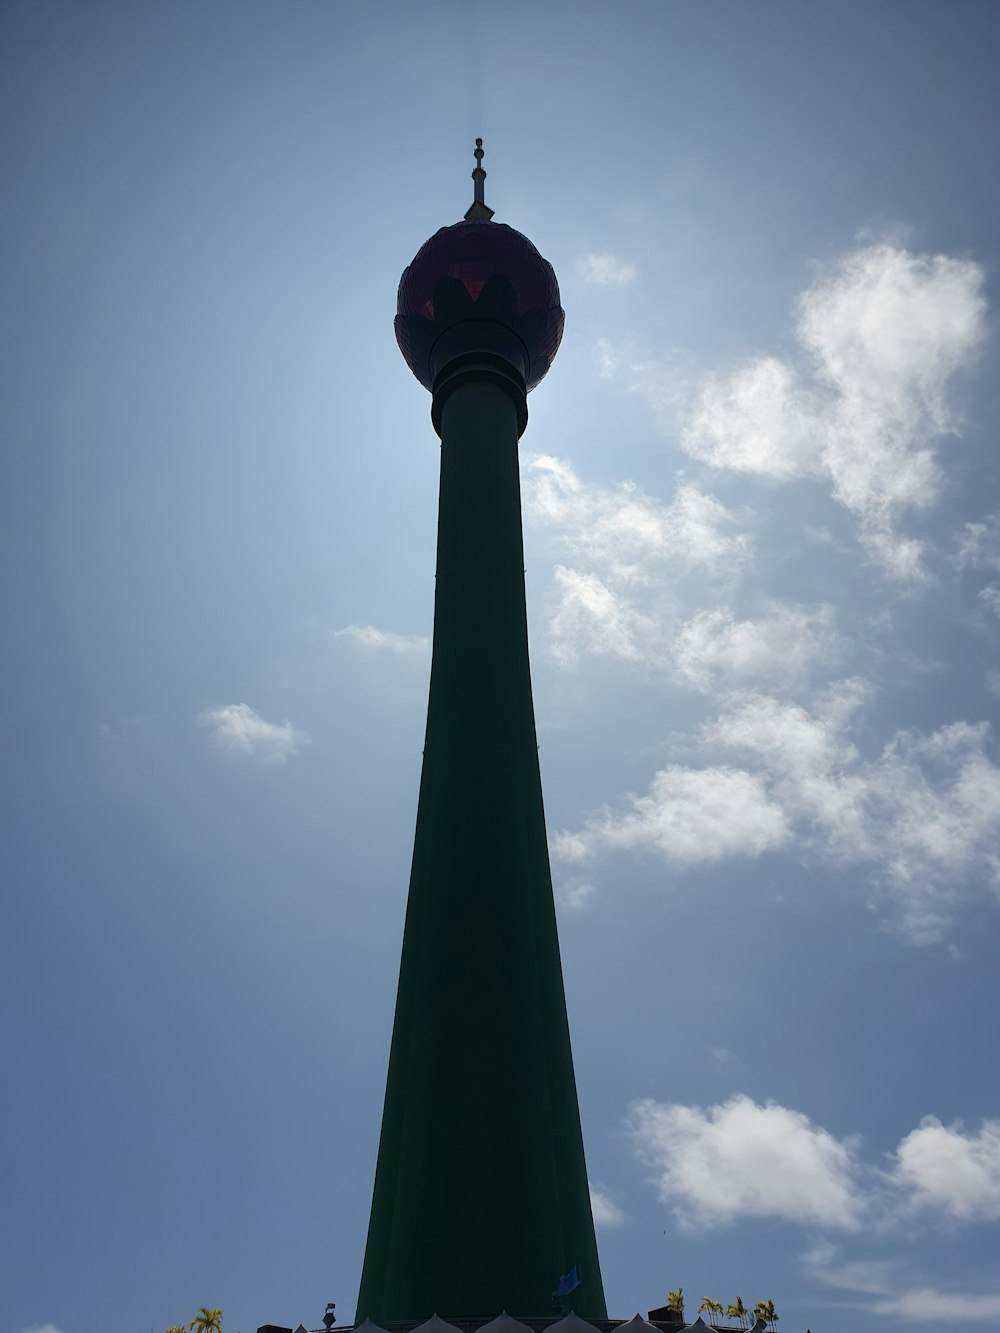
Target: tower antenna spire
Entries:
(478, 211)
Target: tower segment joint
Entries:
(480, 368)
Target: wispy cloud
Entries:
(930, 1306)
(874, 1277)
(371, 639)
(724, 1060)
(238, 732)
(605, 270)
(979, 544)
(896, 1297)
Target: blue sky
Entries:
(762, 523)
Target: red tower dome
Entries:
(479, 286)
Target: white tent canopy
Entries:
(571, 1323)
(435, 1325)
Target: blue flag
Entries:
(567, 1283)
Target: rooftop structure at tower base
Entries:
(555, 1323)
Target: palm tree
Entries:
(765, 1311)
(207, 1321)
(713, 1307)
(675, 1302)
(178, 1328)
(738, 1311)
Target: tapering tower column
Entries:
(481, 1200)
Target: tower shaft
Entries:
(481, 1199)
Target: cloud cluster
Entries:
(881, 338)
(922, 815)
(619, 596)
(238, 732)
(737, 1159)
(861, 405)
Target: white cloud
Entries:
(617, 597)
(714, 647)
(382, 640)
(881, 337)
(605, 270)
(926, 1304)
(757, 420)
(739, 1159)
(688, 815)
(627, 551)
(925, 812)
(923, 815)
(606, 1211)
(239, 732)
(951, 1170)
(41, 1328)
(632, 535)
(590, 618)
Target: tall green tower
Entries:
(481, 1202)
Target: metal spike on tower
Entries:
(481, 1202)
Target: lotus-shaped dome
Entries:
(479, 286)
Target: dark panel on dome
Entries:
(479, 272)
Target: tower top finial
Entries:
(477, 211)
